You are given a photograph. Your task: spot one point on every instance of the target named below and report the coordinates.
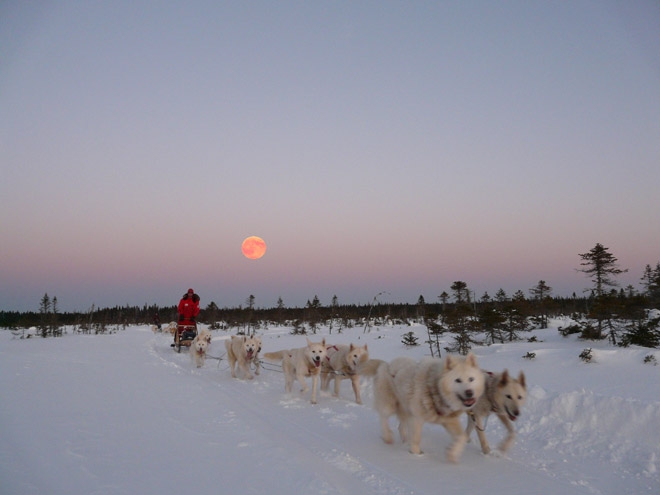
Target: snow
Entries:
(125, 414)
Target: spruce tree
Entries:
(541, 294)
(460, 319)
(409, 339)
(44, 311)
(601, 266)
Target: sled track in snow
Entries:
(340, 470)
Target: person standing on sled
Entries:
(188, 309)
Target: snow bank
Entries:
(608, 430)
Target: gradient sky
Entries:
(374, 145)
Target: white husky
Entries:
(504, 396)
(198, 348)
(428, 391)
(342, 362)
(299, 363)
(244, 351)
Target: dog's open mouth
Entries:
(468, 402)
(249, 355)
(511, 416)
(317, 362)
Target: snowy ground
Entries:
(125, 414)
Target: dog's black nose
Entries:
(469, 393)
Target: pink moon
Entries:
(253, 247)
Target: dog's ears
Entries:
(449, 362)
(504, 379)
(471, 359)
(323, 342)
(521, 380)
(244, 338)
(351, 347)
(365, 347)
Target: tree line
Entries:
(602, 312)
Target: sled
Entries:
(185, 333)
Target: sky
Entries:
(378, 147)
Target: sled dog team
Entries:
(417, 392)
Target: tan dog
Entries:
(428, 391)
(300, 363)
(504, 396)
(342, 362)
(244, 351)
(171, 327)
(198, 348)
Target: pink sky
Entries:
(373, 146)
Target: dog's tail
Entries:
(275, 356)
(370, 368)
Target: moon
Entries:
(253, 247)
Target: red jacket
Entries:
(189, 307)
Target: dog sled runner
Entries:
(185, 334)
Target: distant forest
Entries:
(621, 315)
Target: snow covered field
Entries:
(125, 414)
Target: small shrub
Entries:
(586, 355)
(570, 330)
(530, 355)
(298, 328)
(409, 339)
(650, 359)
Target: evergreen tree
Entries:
(501, 297)
(280, 310)
(250, 315)
(491, 321)
(409, 339)
(515, 313)
(55, 326)
(643, 333)
(459, 319)
(44, 311)
(461, 293)
(444, 297)
(421, 308)
(334, 313)
(313, 314)
(541, 294)
(651, 283)
(212, 315)
(601, 266)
